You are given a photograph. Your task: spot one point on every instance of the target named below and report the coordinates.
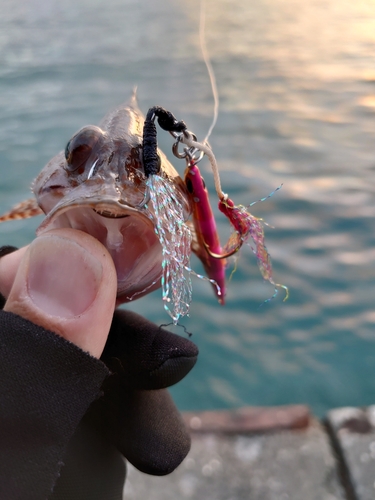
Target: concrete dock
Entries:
(280, 453)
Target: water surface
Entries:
(297, 86)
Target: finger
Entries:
(149, 431)
(147, 356)
(66, 282)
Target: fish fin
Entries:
(23, 210)
(134, 97)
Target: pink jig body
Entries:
(207, 238)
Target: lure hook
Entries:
(224, 255)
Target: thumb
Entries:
(66, 282)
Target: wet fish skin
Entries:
(105, 196)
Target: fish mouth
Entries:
(110, 215)
(127, 233)
(125, 222)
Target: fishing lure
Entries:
(207, 244)
(245, 225)
(170, 226)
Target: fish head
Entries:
(97, 185)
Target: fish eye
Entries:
(80, 147)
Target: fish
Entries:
(98, 185)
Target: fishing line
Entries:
(189, 334)
(211, 73)
(189, 141)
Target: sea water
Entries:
(296, 81)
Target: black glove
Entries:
(65, 413)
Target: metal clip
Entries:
(189, 153)
(175, 151)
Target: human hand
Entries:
(64, 281)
